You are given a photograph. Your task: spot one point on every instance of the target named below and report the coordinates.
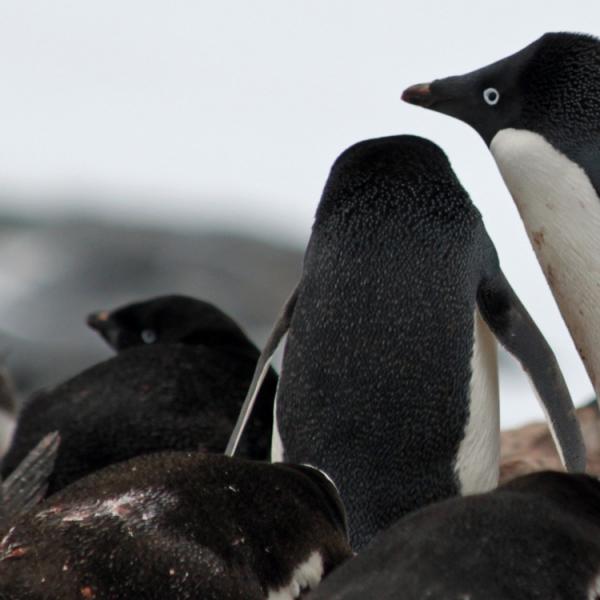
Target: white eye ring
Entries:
(491, 96)
(148, 336)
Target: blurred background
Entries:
(152, 147)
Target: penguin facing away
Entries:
(179, 525)
(535, 537)
(539, 112)
(389, 376)
(177, 383)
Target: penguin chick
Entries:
(182, 393)
(179, 525)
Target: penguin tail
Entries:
(28, 483)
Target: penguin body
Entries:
(175, 524)
(183, 391)
(389, 378)
(535, 537)
(539, 112)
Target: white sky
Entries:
(189, 111)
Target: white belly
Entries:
(276, 444)
(478, 460)
(561, 212)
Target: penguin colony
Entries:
(383, 428)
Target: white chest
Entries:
(478, 456)
(561, 212)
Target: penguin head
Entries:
(167, 319)
(552, 85)
(399, 181)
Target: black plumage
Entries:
(535, 537)
(183, 391)
(178, 525)
(376, 377)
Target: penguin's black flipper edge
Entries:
(27, 484)
(515, 329)
(280, 328)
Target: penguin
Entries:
(537, 536)
(177, 382)
(179, 525)
(389, 375)
(539, 113)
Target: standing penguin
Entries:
(389, 377)
(539, 112)
(535, 537)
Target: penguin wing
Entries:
(27, 484)
(280, 328)
(517, 332)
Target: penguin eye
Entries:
(491, 96)
(148, 336)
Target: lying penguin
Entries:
(539, 112)
(178, 525)
(177, 382)
(389, 377)
(535, 537)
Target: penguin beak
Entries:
(102, 323)
(419, 94)
(98, 320)
(436, 94)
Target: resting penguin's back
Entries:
(537, 537)
(377, 361)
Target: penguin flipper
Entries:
(280, 328)
(27, 484)
(517, 332)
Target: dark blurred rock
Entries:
(55, 273)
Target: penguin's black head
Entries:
(393, 156)
(167, 319)
(404, 179)
(549, 87)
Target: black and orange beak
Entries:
(98, 320)
(419, 94)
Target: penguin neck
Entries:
(561, 213)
